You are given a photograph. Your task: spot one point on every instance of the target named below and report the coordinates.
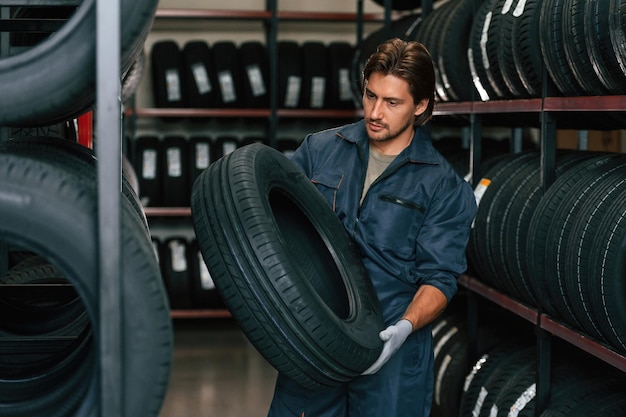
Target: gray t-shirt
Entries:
(378, 162)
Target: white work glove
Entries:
(393, 336)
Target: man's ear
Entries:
(421, 106)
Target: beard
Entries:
(386, 135)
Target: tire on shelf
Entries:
(254, 66)
(198, 75)
(80, 159)
(286, 268)
(168, 78)
(477, 52)
(174, 261)
(42, 87)
(49, 209)
(452, 61)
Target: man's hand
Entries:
(393, 336)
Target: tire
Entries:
(550, 228)
(42, 87)
(578, 56)
(286, 268)
(490, 188)
(552, 41)
(79, 159)
(453, 66)
(49, 209)
(477, 53)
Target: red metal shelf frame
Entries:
(546, 323)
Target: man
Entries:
(410, 215)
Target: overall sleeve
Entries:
(442, 240)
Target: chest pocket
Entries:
(394, 222)
(328, 185)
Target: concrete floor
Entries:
(216, 372)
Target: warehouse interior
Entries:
(530, 111)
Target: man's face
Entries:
(388, 108)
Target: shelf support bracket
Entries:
(544, 361)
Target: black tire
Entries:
(254, 75)
(340, 55)
(451, 363)
(578, 56)
(552, 41)
(174, 261)
(480, 250)
(477, 53)
(452, 63)
(617, 29)
(225, 56)
(175, 190)
(42, 86)
(602, 52)
(289, 74)
(286, 268)
(430, 32)
(148, 163)
(199, 75)
(315, 74)
(594, 284)
(168, 78)
(51, 212)
(550, 228)
(80, 159)
(523, 205)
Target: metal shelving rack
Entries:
(546, 327)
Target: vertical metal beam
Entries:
(5, 13)
(583, 140)
(4, 257)
(472, 329)
(108, 150)
(476, 148)
(388, 7)
(548, 175)
(5, 46)
(516, 140)
(548, 149)
(427, 8)
(359, 22)
(272, 47)
(544, 369)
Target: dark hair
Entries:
(410, 61)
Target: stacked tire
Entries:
(502, 383)
(42, 86)
(561, 250)
(497, 49)
(51, 337)
(311, 74)
(50, 313)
